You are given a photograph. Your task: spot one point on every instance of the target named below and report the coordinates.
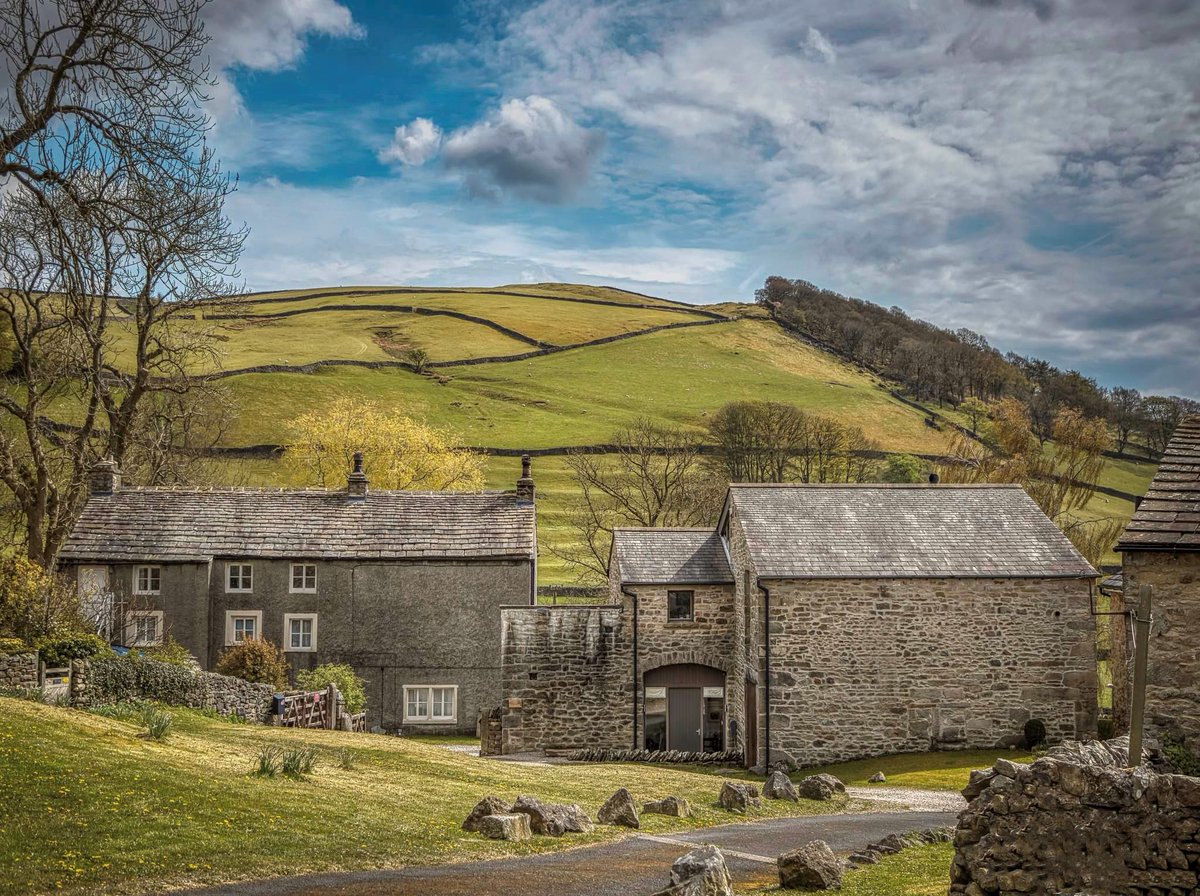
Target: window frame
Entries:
(153, 571)
(241, 577)
(691, 616)
(288, 619)
(429, 718)
(132, 618)
(231, 615)
(292, 589)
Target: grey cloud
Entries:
(528, 148)
(1043, 9)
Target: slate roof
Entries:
(194, 525)
(1168, 519)
(670, 557)
(901, 531)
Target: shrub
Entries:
(1035, 733)
(59, 650)
(174, 653)
(13, 645)
(34, 602)
(296, 762)
(1182, 760)
(347, 759)
(340, 676)
(157, 722)
(122, 711)
(255, 659)
(268, 762)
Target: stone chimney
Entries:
(525, 483)
(356, 482)
(106, 477)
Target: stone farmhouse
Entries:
(406, 587)
(817, 623)
(1161, 547)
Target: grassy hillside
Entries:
(566, 396)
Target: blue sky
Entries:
(1026, 168)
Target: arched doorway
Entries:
(684, 708)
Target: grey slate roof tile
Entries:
(194, 525)
(887, 531)
(670, 557)
(1169, 516)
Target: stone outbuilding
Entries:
(405, 587)
(1161, 547)
(817, 623)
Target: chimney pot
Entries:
(356, 482)
(106, 477)
(525, 489)
(934, 478)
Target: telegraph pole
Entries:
(1141, 638)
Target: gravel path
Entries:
(911, 799)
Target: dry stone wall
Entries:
(99, 681)
(1173, 679)
(863, 667)
(567, 678)
(19, 670)
(1065, 826)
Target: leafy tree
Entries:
(255, 659)
(902, 468)
(975, 409)
(654, 476)
(340, 675)
(1162, 413)
(401, 453)
(34, 603)
(108, 191)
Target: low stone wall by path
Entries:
(1077, 824)
(724, 757)
(117, 679)
(19, 670)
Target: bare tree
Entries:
(112, 235)
(653, 477)
(757, 441)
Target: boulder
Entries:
(553, 819)
(780, 787)
(877, 778)
(811, 867)
(699, 872)
(489, 805)
(675, 806)
(818, 787)
(505, 827)
(834, 782)
(737, 796)
(619, 809)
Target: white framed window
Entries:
(300, 632)
(241, 625)
(304, 578)
(147, 579)
(436, 703)
(144, 628)
(239, 577)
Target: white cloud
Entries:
(528, 147)
(414, 143)
(270, 35)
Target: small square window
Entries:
(241, 625)
(144, 628)
(147, 580)
(300, 632)
(679, 606)
(239, 577)
(304, 577)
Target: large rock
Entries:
(505, 827)
(699, 872)
(780, 787)
(820, 787)
(877, 778)
(553, 819)
(675, 806)
(489, 805)
(811, 867)
(737, 796)
(619, 809)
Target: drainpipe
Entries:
(766, 673)
(633, 595)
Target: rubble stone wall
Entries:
(19, 670)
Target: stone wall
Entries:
(19, 670)
(1173, 679)
(863, 667)
(566, 677)
(113, 680)
(1064, 826)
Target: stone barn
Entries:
(818, 623)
